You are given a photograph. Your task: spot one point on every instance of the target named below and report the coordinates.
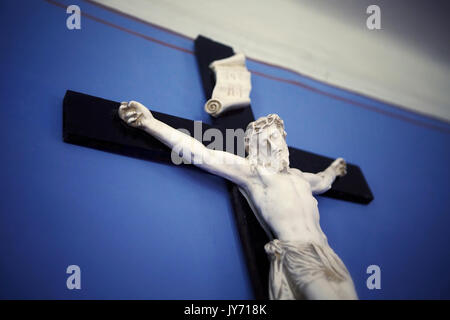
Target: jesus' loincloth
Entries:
(296, 264)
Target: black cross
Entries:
(93, 122)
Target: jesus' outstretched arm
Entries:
(224, 164)
(322, 181)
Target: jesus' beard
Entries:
(277, 162)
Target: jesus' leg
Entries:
(320, 289)
(346, 290)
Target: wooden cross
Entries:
(94, 122)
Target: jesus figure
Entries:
(303, 265)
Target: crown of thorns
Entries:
(257, 126)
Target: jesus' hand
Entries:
(134, 114)
(339, 166)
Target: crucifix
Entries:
(105, 125)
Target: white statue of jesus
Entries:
(303, 265)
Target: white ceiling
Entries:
(406, 63)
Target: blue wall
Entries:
(143, 230)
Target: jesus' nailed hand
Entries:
(280, 196)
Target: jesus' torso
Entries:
(285, 202)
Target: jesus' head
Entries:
(265, 143)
